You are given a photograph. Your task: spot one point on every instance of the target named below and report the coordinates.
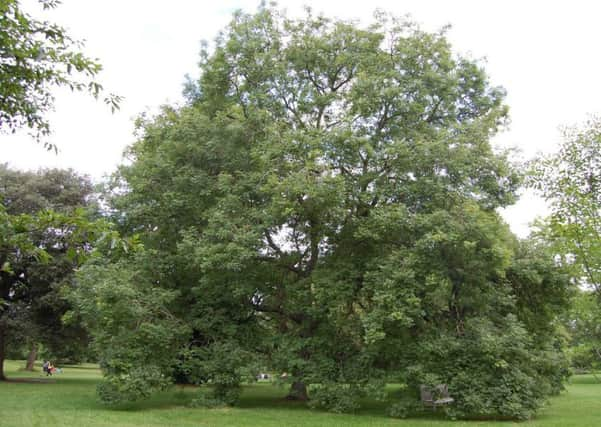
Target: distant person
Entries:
(46, 367)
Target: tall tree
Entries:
(36, 57)
(324, 205)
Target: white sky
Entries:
(545, 53)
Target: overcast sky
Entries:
(545, 54)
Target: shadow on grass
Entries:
(269, 397)
(264, 397)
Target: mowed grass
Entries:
(69, 399)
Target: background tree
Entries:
(13, 240)
(570, 180)
(583, 323)
(324, 205)
(57, 241)
(36, 57)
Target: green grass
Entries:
(69, 400)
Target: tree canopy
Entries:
(324, 206)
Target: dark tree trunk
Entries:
(2, 344)
(33, 354)
(298, 391)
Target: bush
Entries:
(339, 398)
(404, 408)
(583, 358)
(491, 371)
(137, 383)
(217, 397)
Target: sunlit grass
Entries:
(69, 399)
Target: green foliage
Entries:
(542, 288)
(135, 335)
(582, 323)
(35, 57)
(404, 408)
(223, 366)
(47, 230)
(138, 383)
(492, 371)
(584, 358)
(324, 205)
(61, 190)
(208, 399)
(570, 181)
(340, 398)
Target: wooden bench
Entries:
(434, 397)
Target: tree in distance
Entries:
(570, 181)
(48, 222)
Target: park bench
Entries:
(434, 397)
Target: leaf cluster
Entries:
(35, 57)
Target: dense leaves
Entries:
(139, 333)
(47, 233)
(324, 206)
(583, 322)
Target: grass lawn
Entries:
(69, 399)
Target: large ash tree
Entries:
(323, 205)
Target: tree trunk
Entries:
(2, 336)
(298, 391)
(33, 354)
